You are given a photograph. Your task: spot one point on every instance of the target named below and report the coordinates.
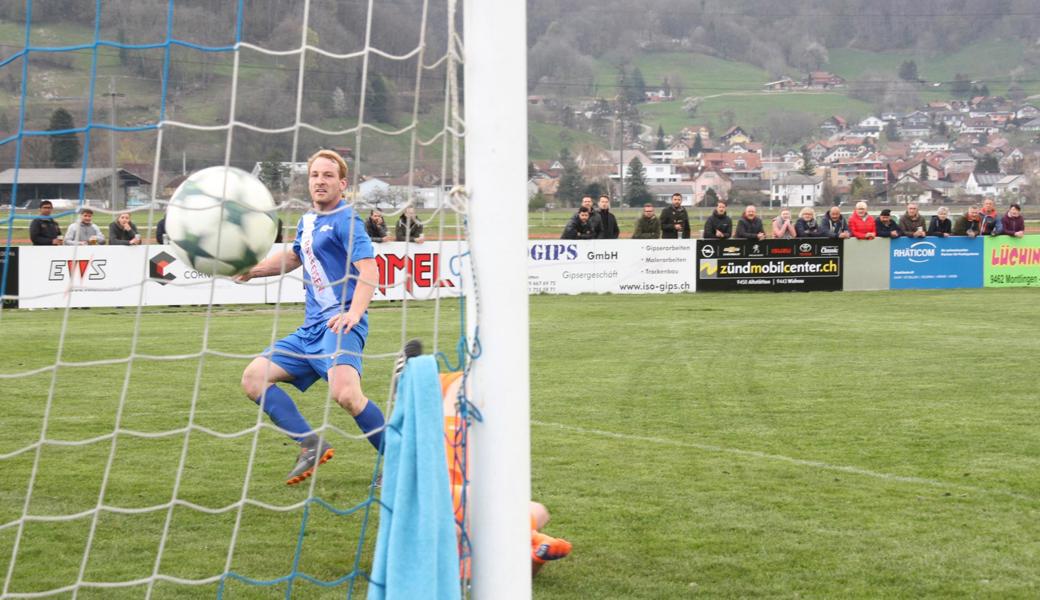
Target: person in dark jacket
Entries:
(586, 202)
(886, 227)
(648, 226)
(969, 224)
(409, 228)
(1013, 223)
(675, 222)
(718, 226)
(375, 226)
(608, 227)
(44, 230)
(834, 225)
(807, 225)
(160, 231)
(580, 228)
(749, 226)
(941, 225)
(912, 223)
(123, 232)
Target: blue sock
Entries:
(369, 419)
(283, 412)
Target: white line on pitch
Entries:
(787, 459)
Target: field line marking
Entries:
(786, 459)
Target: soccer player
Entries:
(339, 270)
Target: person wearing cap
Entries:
(84, 231)
(886, 227)
(44, 230)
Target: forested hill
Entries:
(568, 37)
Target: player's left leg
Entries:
(345, 383)
(344, 375)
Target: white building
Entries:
(797, 190)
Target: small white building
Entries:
(797, 190)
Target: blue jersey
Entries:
(328, 245)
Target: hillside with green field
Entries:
(732, 92)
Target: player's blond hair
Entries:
(331, 155)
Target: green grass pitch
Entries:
(859, 445)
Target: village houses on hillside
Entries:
(941, 152)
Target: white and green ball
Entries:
(221, 221)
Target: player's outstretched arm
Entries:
(276, 264)
(368, 275)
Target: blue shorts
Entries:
(318, 343)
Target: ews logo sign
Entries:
(421, 270)
(77, 270)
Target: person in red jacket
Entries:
(862, 225)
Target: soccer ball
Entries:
(221, 221)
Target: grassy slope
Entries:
(987, 60)
(724, 445)
(546, 140)
(706, 76)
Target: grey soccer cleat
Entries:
(314, 451)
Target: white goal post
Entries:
(496, 180)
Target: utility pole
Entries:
(620, 114)
(112, 95)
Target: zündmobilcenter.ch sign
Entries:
(1012, 262)
(935, 262)
(771, 265)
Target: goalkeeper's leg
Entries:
(544, 547)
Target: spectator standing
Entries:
(886, 227)
(608, 227)
(941, 225)
(675, 222)
(375, 226)
(44, 230)
(807, 225)
(160, 231)
(912, 223)
(861, 224)
(84, 231)
(409, 229)
(648, 226)
(749, 226)
(587, 202)
(783, 228)
(1013, 223)
(580, 228)
(834, 225)
(969, 224)
(718, 226)
(989, 219)
(123, 232)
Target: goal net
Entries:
(131, 463)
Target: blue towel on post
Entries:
(416, 553)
